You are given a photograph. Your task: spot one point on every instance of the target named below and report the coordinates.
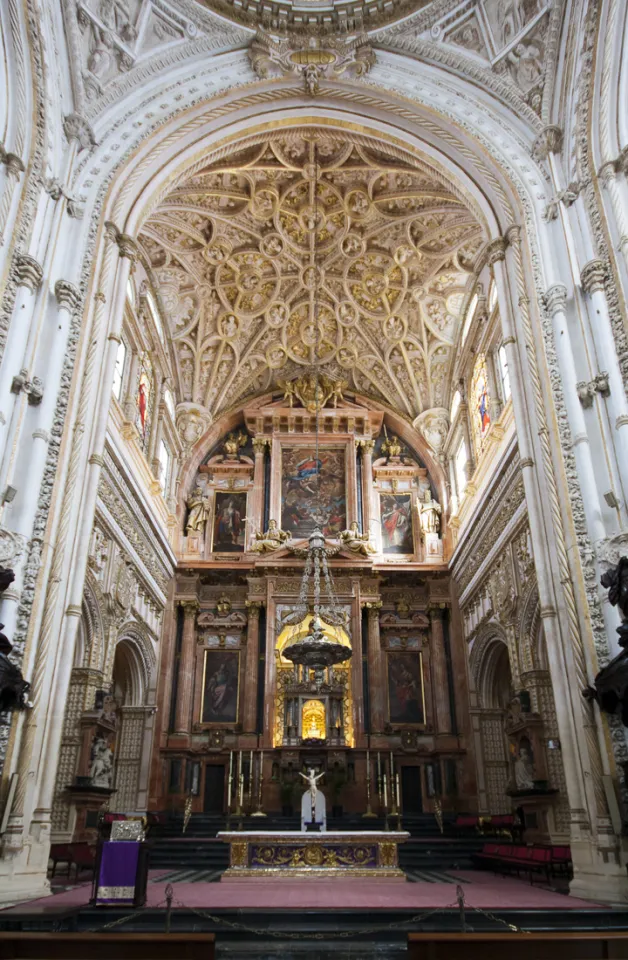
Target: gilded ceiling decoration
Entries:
(313, 247)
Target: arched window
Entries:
(505, 374)
(165, 461)
(480, 401)
(169, 401)
(455, 403)
(118, 372)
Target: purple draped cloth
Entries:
(118, 872)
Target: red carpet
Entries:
(481, 890)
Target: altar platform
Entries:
(304, 855)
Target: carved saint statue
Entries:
(429, 513)
(391, 447)
(233, 443)
(355, 541)
(524, 770)
(271, 540)
(101, 765)
(200, 510)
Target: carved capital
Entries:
(77, 128)
(190, 606)
(550, 140)
(555, 299)
(32, 387)
(365, 446)
(570, 194)
(127, 246)
(253, 607)
(592, 276)
(28, 272)
(261, 444)
(622, 161)
(67, 295)
(496, 250)
(13, 163)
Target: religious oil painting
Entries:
(313, 490)
(229, 523)
(396, 517)
(405, 688)
(220, 687)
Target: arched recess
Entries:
(133, 680)
(536, 680)
(507, 193)
(491, 675)
(85, 678)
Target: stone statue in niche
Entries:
(429, 513)
(200, 509)
(355, 541)
(101, 766)
(524, 767)
(272, 539)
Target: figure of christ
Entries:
(312, 781)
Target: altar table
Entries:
(289, 853)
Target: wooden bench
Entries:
(511, 858)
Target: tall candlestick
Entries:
(385, 794)
(379, 765)
(229, 781)
(398, 794)
(241, 790)
(368, 766)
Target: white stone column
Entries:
(619, 204)
(54, 719)
(524, 419)
(592, 278)
(29, 464)
(366, 450)
(556, 303)
(29, 276)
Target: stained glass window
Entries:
(144, 402)
(480, 400)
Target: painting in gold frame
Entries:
(406, 693)
(221, 686)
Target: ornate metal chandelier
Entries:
(317, 650)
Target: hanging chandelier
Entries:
(318, 649)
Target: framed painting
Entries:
(396, 517)
(221, 676)
(406, 699)
(309, 482)
(229, 522)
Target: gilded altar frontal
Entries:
(313, 474)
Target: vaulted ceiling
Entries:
(313, 247)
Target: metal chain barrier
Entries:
(169, 900)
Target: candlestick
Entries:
(385, 794)
(241, 791)
(398, 794)
(369, 812)
(260, 778)
(379, 765)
